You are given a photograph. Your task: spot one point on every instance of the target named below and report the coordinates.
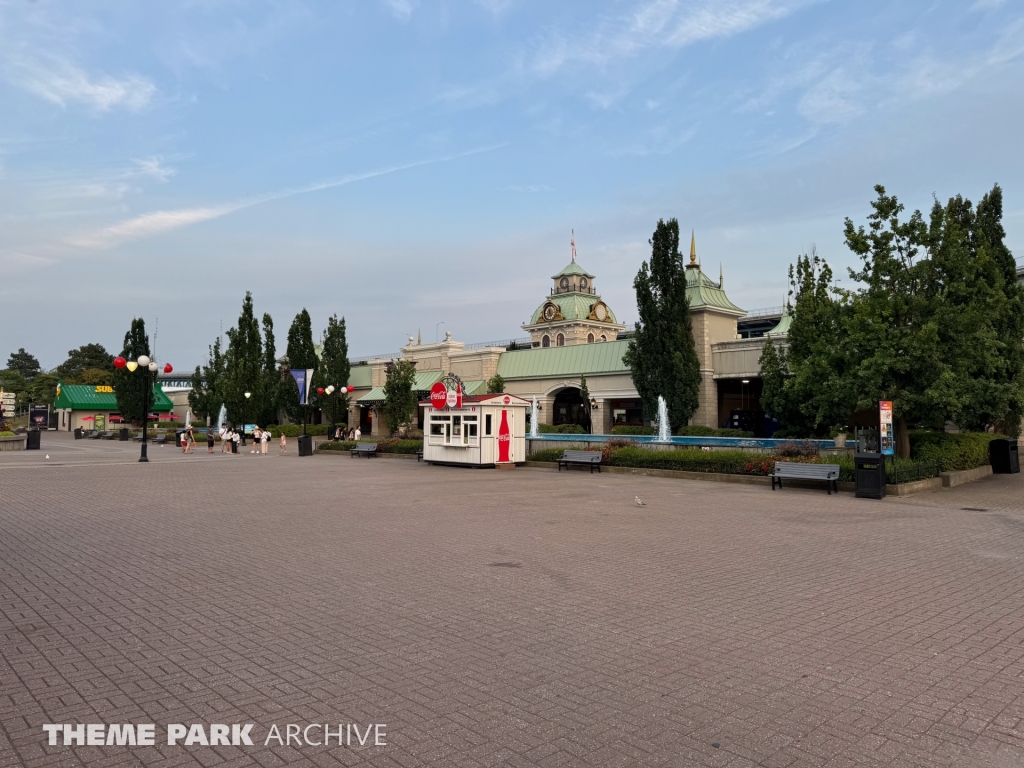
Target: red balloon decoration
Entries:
(350, 388)
(168, 368)
(120, 362)
(319, 390)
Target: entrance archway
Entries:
(569, 408)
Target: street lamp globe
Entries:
(152, 367)
(143, 360)
(330, 389)
(248, 395)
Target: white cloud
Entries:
(154, 168)
(496, 7)
(401, 9)
(157, 222)
(61, 82)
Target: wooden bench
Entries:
(791, 470)
(583, 458)
(365, 449)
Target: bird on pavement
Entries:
(640, 503)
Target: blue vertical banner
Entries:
(300, 382)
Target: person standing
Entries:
(284, 443)
(224, 438)
(209, 440)
(235, 439)
(256, 434)
(357, 435)
(264, 439)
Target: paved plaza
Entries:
(526, 618)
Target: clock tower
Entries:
(573, 313)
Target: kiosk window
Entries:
(439, 427)
(487, 424)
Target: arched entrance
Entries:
(570, 408)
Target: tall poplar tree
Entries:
(334, 368)
(399, 406)
(301, 354)
(271, 379)
(207, 393)
(130, 386)
(244, 367)
(662, 355)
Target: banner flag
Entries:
(300, 382)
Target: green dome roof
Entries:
(573, 306)
(703, 292)
(572, 268)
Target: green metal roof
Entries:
(602, 357)
(573, 306)
(703, 292)
(359, 376)
(424, 381)
(783, 327)
(84, 397)
(572, 268)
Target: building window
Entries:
(590, 338)
(560, 340)
(545, 341)
(603, 337)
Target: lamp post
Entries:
(244, 403)
(142, 363)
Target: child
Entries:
(284, 443)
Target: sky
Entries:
(418, 166)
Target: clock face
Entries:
(583, 282)
(600, 312)
(565, 282)
(549, 312)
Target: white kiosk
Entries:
(473, 430)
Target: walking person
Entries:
(284, 443)
(209, 440)
(256, 434)
(190, 440)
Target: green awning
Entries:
(86, 397)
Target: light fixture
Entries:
(152, 367)
(248, 395)
(143, 360)
(131, 365)
(330, 389)
(746, 381)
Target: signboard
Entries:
(438, 396)
(100, 424)
(302, 377)
(39, 416)
(885, 433)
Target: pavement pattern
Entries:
(526, 618)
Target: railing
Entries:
(766, 312)
(903, 473)
(368, 358)
(590, 289)
(523, 341)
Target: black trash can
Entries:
(1003, 455)
(305, 445)
(78, 433)
(125, 434)
(32, 444)
(869, 475)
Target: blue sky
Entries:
(407, 162)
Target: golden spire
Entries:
(693, 248)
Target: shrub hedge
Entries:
(693, 431)
(294, 430)
(623, 429)
(384, 445)
(951, 451)
(561, 429)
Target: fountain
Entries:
(534, 418)
(222, 417)
(188, 418)
(664, 430)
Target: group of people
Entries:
(188, 440)
(230, 439)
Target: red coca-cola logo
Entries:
(438, 396)
(507, 399)
(504, 438)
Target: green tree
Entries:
(43, 388)
(399, 397)
(130, 386)
(207, 393)
(661, 355)
(495, 385)
(301, 354)
(774, 366)
(85, 357)
(585, 394)
(95, 377)
(244, 367)
(335, 368)
(272, 381)
(24, 363)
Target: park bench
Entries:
(419, 455)
(160, 439)
(108, 436)
(365, 449)
(791, 470)
(583, 458)
(95, 435)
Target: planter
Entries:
(13, 443)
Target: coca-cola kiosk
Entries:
(473, 430)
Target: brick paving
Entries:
(527, 618)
